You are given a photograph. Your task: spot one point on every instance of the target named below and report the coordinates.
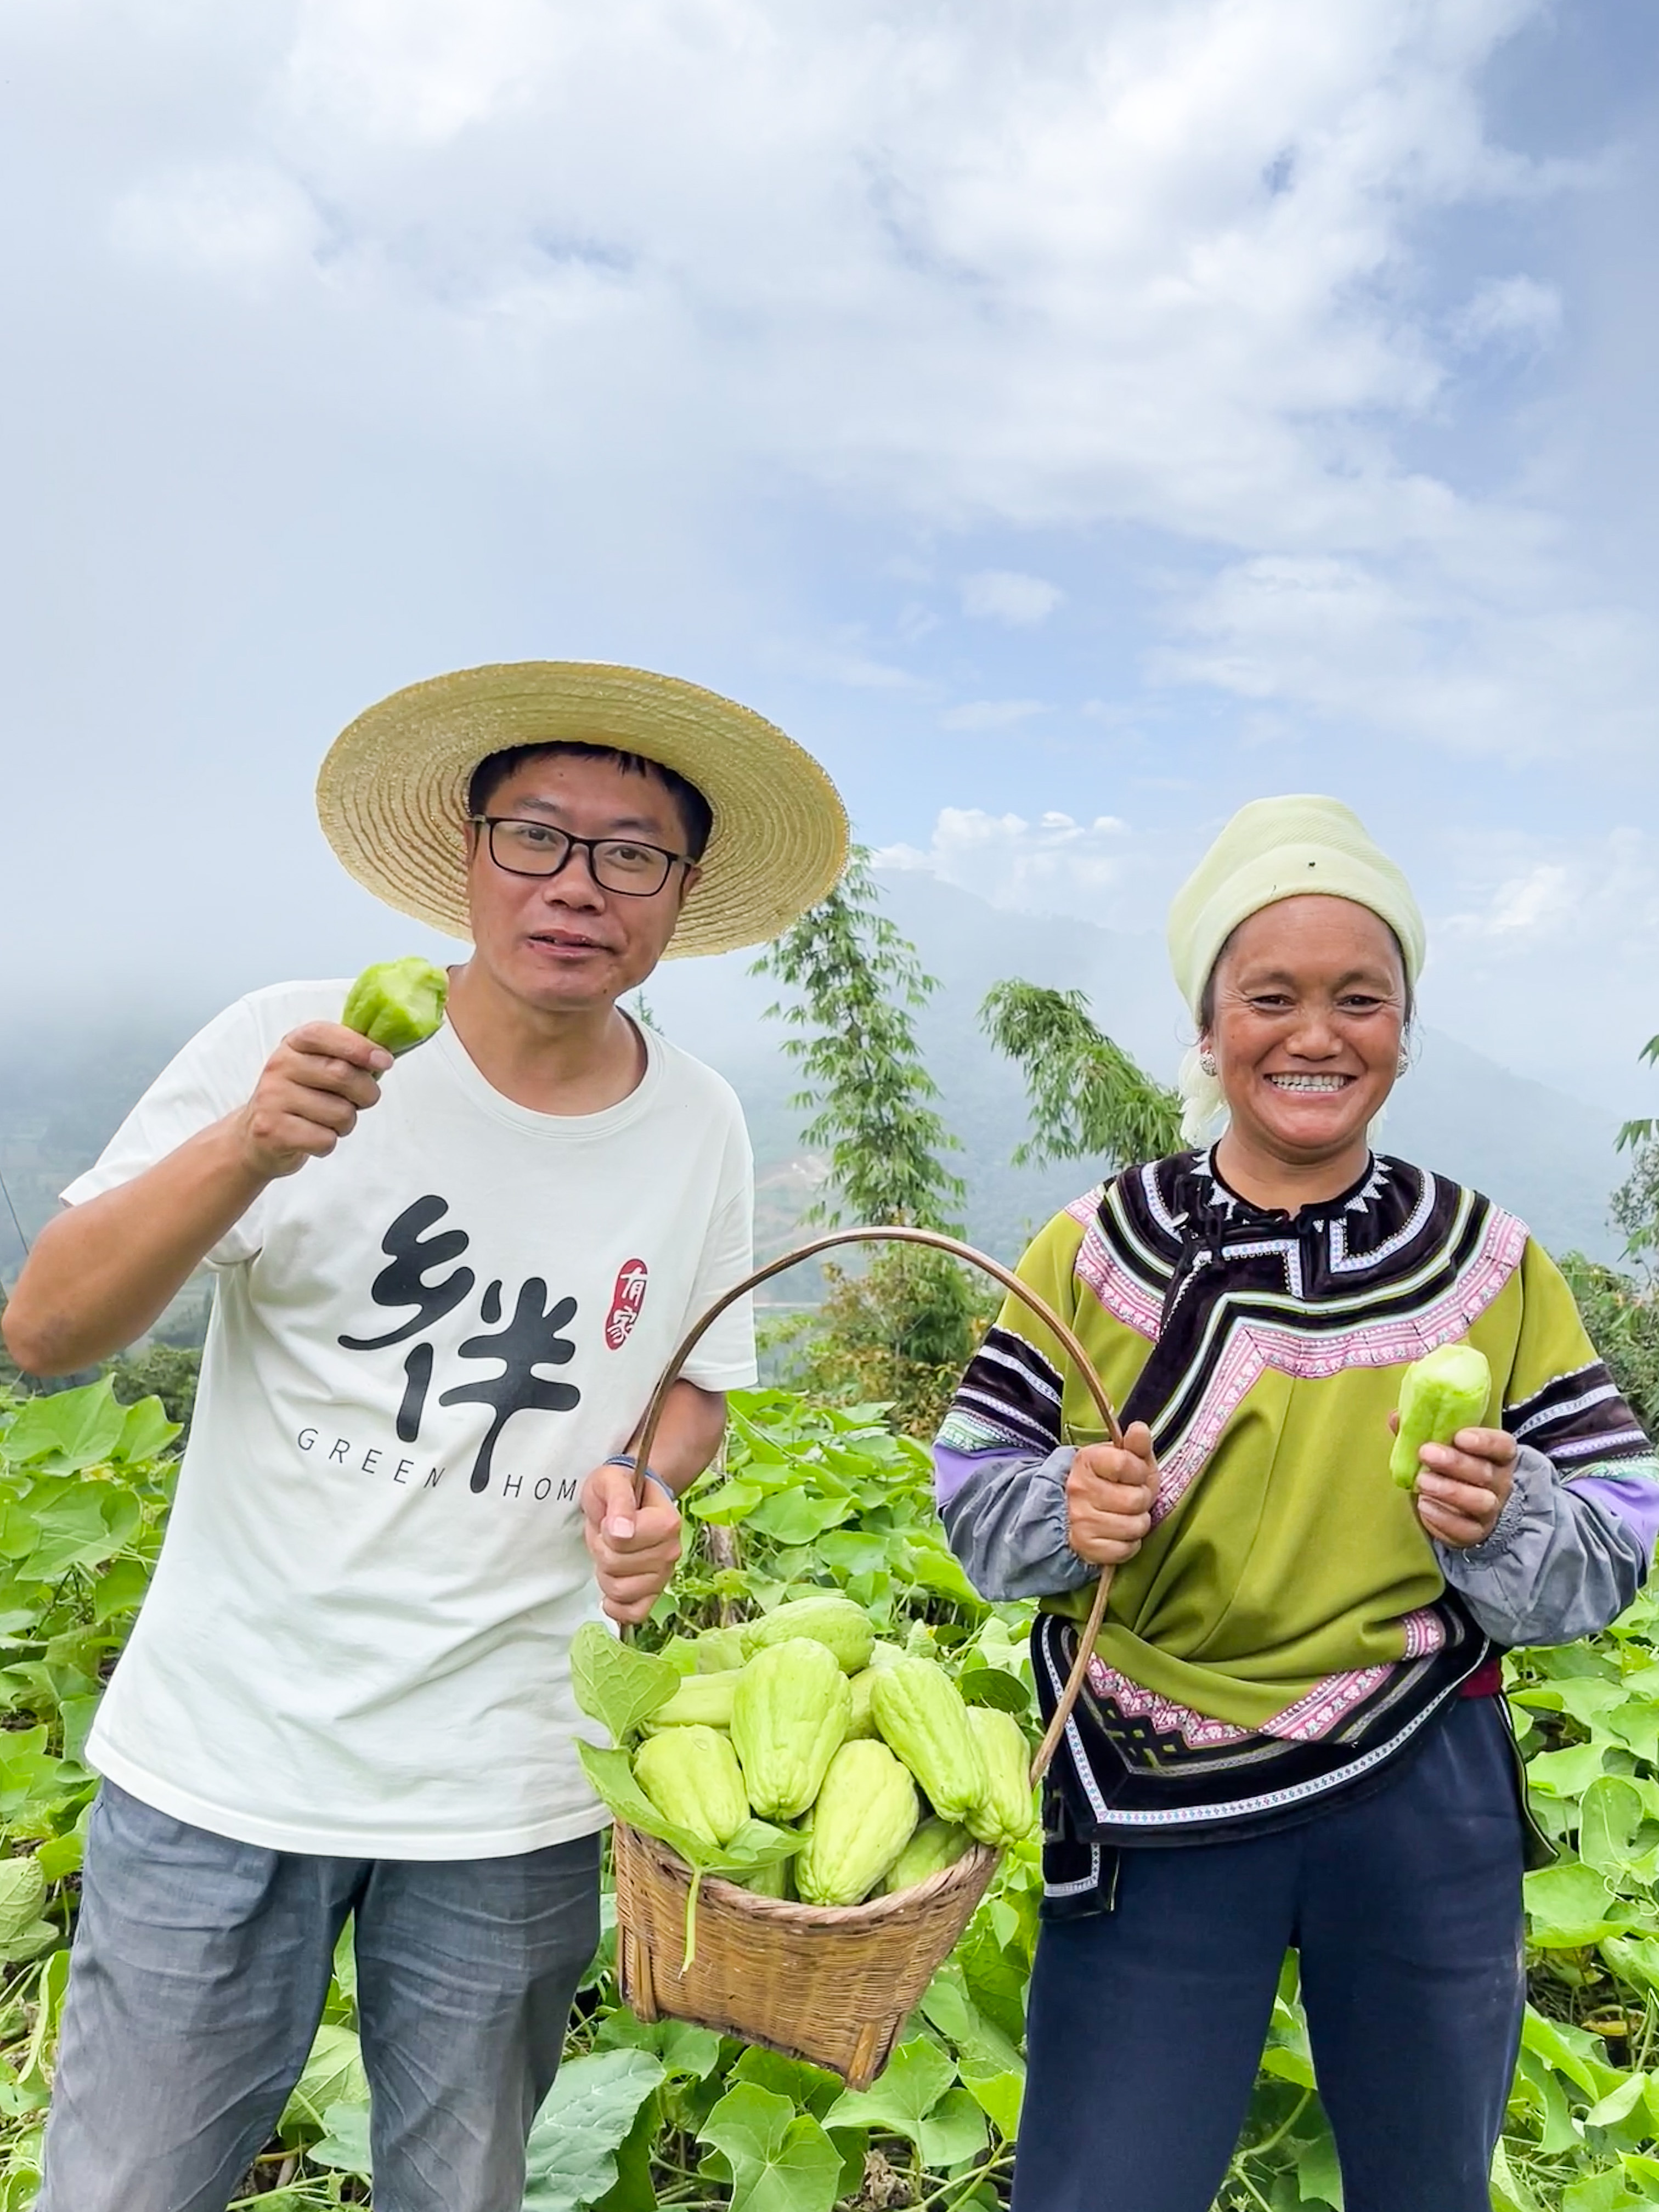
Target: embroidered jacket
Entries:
(1287, 1627)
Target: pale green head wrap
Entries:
(1274, 849)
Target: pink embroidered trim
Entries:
(1196, 1730)
(1113, 1287)
(1086, 1208)
(1254, 1347)
(1318, 1710)
(1424, 1633)
(1313, 1715)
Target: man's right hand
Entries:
(313, 1087)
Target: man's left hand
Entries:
(1463, 1486)
(636, 1545)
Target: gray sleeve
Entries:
(1005, 1519)
(1555, 1568)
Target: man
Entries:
(445, 1291)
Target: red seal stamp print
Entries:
(626, 1301)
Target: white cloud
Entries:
(1051, 864)
(1516, 311)
(235, 221)
(1547, 954)
(1004, 595)
(1543, 950)
(1146, 266)
(991, 713)
(386, 333)
(1062, 265)
(1489, 647)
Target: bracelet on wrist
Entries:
(645, 1474)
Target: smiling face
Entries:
(562, 943)
(1308, 1008)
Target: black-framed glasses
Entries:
(615, 864)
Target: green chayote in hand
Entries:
(1444, 1391)
(397, 1003)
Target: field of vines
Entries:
(674, 2116)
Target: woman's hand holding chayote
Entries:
(1109, 1495)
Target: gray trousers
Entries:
(199, 1977)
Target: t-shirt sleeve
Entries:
(725, 1360)
(214, 1074)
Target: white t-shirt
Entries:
(355, 1643)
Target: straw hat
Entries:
(392, 793)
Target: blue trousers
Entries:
(198, 1979)
(1146, 2023)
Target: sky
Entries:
(1068, 421)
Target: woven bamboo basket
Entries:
(831, 1985)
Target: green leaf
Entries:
(1586, 1697)
(146, 1432)
(1598, 2192)
(999, 2096)
(810, 2087)
(19, 1532)
(991, 1686)
(1609, 2110)
(119, 1588)
(758, 1844)
(611, 1774)
(1634, 1960)
(684, 2049)
(1565, 1773)
(901, 2096)
(23, 1933)
(67, 1431)
(781, 2160)
(81, 1524)
(732, 1502)
(344, 2141)
(848, 1551)
(1318, 2176)
(1509, 2191)
(1610, 1818)
(1565, 2048)
(1569, 1905)
(953, 2131)
(617, 1684)
(61, 1855)
(996, 1983)
(634, 2189)
(795, 1516)
(570, 2160)
(333, 2074)
(1636, 1723)
(22, 1893)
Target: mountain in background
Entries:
(1547, 1156)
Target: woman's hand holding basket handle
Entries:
(1111, 1492)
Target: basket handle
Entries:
(896, 1233)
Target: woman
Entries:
(1293, 1733)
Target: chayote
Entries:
(397, 1003)
(1007, 1812)
(825, 1619)
(935, 1845)
(790, 1712)
(920, 1715)
(1446, 1390)
(866, 1812)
